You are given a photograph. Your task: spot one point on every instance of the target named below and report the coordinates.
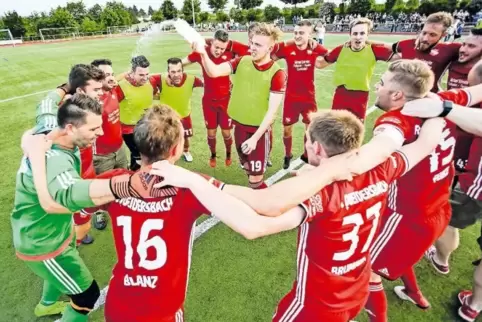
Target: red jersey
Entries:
(301, 70)
(153, 239)
(112, 140)
(438, 58)
(471, 179)
(217, 87)
(426, 187)
(342, 220)
(458, 74)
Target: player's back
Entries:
(334, 243)
(425, 188)
(153, 240)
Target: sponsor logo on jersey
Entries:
(309, 52)
(315, 205)
(384, 271)
(434, 52)
(224, 57)
(392, 119)
(293, 53)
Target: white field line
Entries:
(211, 222)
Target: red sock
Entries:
(78, 242)
(305, 154)
(288, 142)
(212, 144)
(258, 185)
(377, 306)
(410, 281)
(228, 143)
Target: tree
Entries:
(187, 9)
(238, 15)
(109, 18)
(203, 17)
(135, 10)
(254, 14)
(398, 7)
(157, 16)
(88, 25)
(168, 9)
(327, 9)
(474, 6)
(271, 13)
(412, 5)
(61, 18)
(77, 9)
(360, 6)
(217, 5)
(14, 22)
(248, 4)
(389, 5)
(95, 12)
(2, 25)
(222, 16)
(293, 2)
(142, 13)
(150, 11)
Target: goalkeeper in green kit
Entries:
(45, 241)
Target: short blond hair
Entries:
(414, 77)
(361, 21)
(441, 17)
(338, 131)
(266, 29)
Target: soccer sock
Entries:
(410, 281)
(288, 142)
(228, 142)
(377, 306)
(71, 315)
(212, 144)
(258, 185)
(186, 145)
(50, 294)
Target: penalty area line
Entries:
(203, 227)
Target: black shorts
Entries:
(465, 210)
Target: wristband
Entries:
(447, 107)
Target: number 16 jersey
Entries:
(153, 240)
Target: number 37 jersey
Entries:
(153, 240)
(424, 189)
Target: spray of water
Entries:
(143, 46)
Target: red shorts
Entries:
(187, 125)
(291, 310)
(215, 113)
(255, 162)
(353, 101)
(402, 242)
(293, 109)
(122, 312)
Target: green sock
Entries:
(71, 315)
(50, 294)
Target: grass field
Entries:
(232, 280)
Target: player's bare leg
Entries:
(288, 143)
(304, 156)
(257, 182)
(471, 301)
(212, 146)
(444, 246)
(186, 154)
(376, 306)
(228, 143)
(81, 233)
(410, 291)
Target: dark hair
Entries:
(80, 74)
(221, 35)
(476, 31)
(157, 132)
(173, 61)
(140, 61)
(74, 110)
(304, 23)
(103, 61)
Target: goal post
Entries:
(6, 38)
(47, 34)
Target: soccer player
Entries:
(135, 93)
(338, 222)
(216, 95)
(109, 151)
(258, 87)
(300, 96)
(420, 210)
(355, 63)
(428, 46)
(82, 79)
(160, 277)
(45, 241)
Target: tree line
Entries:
(98, 18)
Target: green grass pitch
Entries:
(231, 279)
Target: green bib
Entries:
(136, 100)
(178, 98)
(354, 69)
(250, 94)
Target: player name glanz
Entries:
(140, 280)
(369, 192)
(144, 206)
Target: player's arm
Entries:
(186, 62)
(121, 76)
(213, 70)
(330, 58)
(46, 112)
(278, 87)
(321, 63)
(191, 59)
